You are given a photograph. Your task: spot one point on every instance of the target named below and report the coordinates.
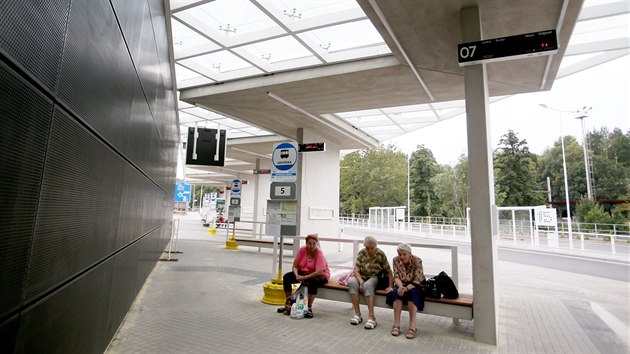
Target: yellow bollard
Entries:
(274, 292)
(231, 244)
(212, 230)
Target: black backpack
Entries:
(445, 285)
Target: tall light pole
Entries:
(583, 113)
(408, 189)
(566, 180)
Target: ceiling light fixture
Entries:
(293, 15)
(227, 29)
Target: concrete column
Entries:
(480, 188)
(256, 181)
(300, 177)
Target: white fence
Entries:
(602, 238)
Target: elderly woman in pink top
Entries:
(309, 267)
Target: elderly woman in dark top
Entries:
(408, 274)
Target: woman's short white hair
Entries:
(370, 241)
(404, 247)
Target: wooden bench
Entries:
(460, 308)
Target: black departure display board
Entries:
(310, 147)
(205, 147)
(508, 48)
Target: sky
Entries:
(605, 88)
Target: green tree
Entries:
(551, 166)
(423, 168)
(620, 147)
(610, 179)
(451, 185)
(461, 180)
(352, 199)
(372, 177)
(515, 173)
(446, 191)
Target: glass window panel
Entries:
(229, 122)
(392, 129)
(256, 131)
(310, 9)
(601, 29)
(176, 4)
(346, 36)
(235, 133)
(185, 118)
(276, 50)
(416, 114)
(368, 112)
(186, 41)
(219, 62)
(204, 113)
(185, 74)
(231, 18)
(363, 120)
(573, 59)
(187, 78)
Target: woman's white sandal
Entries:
(370, 324)
(356, 320)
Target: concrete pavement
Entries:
(209, 301)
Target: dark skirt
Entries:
(414, 295)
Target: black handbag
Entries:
(383, 280)
(429, 288)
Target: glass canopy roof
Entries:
(225, 40)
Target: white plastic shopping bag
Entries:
(299, 308)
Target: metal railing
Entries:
(602, 238)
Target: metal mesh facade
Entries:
(88, 131)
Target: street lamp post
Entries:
(566, 180)
(584, 114)
(408, 198)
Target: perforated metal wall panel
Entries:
(97, 76)
(139, 128)
(135, 20)
(85, 189)
(25, 117)
(32, 35)
(8, 333)
(79, 206)
(72, 319)
(125, 285)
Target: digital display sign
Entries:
(508, 48)
(309, 147)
